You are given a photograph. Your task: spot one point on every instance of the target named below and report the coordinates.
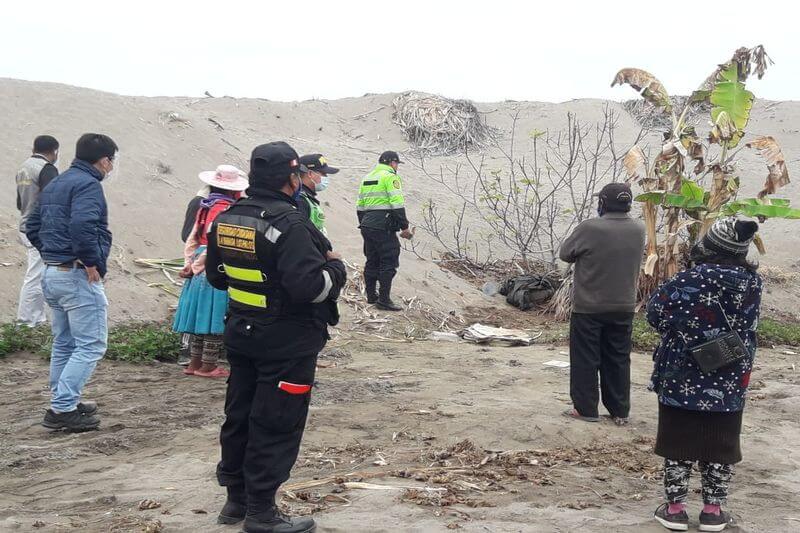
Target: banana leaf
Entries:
(731, 98)
(756, 209)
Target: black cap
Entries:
(317, 163)
(275, 159)
(617, 197)
(389, 157)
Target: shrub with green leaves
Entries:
(134, 342)
(142, 342)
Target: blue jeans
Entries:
(80, 332)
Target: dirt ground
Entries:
(447, 436)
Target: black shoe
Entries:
(388, 305)
(235, 507)
(715, 522)
(232, 513)
(371, 289)
(71, 421)
(87, 408)
(274, 521)
(674, 522)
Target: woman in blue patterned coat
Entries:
(700, 414)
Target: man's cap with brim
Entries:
(617, 194)
(389, 157)
(275, 158)
(317, 163)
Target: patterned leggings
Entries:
(716, 477)
(207, 347)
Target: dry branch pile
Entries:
(652, 118)
(436, 125)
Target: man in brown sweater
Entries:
(607, 254)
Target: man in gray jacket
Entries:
(607, 254)
(34, 175)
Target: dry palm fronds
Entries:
(560, 305)
(167, 267)
(436, 125)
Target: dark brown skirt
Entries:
(685, 435)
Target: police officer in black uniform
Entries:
(283, 279)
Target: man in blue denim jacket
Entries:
(69, 227)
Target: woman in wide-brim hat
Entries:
(201, 308)
(700, 407)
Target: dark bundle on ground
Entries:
(436, 125)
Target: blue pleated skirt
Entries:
(201, 308)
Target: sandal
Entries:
(218, 372)
(573, 413)
(188, 371)
(618, 420)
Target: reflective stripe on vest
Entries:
(247, 298)
(244, 274)
(381, 189)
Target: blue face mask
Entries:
(323, 183)
(296, 194)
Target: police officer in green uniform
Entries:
(381, 214)
(283, 279)
(315, 180)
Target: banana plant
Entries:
(688, 202)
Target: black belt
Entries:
(69, 265)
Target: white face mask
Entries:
(324, 181)
(114, 169)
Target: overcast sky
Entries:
(485, 51)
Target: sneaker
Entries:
(387, 305)
(72, 421)
(372, 298)
(674, 522)
(715, 522)
(274, 521)
(184, 359)
(87, 408)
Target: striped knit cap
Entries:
(730, 236)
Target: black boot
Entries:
(371, 288)
(384, 301)
(235, 507)
(71, 421)
(274, 521)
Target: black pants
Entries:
(382, 250)
(264, 421)
(600, 342)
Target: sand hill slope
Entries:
(165, 142)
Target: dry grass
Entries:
(777, 276)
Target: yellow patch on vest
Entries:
(396, 184)
(239, 238)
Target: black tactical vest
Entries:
(246, 236)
